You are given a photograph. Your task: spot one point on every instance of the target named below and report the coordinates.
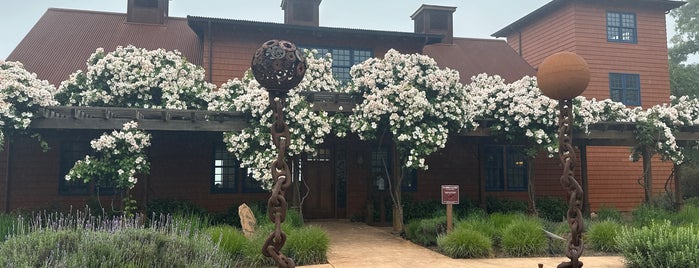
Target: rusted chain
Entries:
(277, 205)
(566, 153)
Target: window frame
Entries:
(619, 29)
(65, 165)
(624, 88)
(504, 169)
(353, 59)
(234, 166)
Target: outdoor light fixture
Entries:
(278, 66)
(564, 76)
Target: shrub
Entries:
(523, 237)
(465, 243)
(156, 207)
(8, 223)
(606, 213)
(688, 215)
(551, 208)
(425, 232)
(229, 238)
(413, 209)
(659, 245)
(502, 205)
(644, 215)
(602, 235)
(307, 245)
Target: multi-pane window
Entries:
(621, 27)
(343, 59)
(381, 168)
(505, 168)
(625, 88)
(228, 176)
(71, 152)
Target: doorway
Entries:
(318, 174)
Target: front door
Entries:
(317, 173)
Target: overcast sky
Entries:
(477, 19)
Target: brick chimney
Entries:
(430, 19)
(147, 11)
(301, 12)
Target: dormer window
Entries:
(621, 27)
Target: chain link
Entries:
(566, 153)
(277, 205)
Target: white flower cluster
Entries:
(519, 111)
(21, 94)
(253, 146)
(136, 77)
(419, 103)
(120, 156)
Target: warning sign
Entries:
(450, 194)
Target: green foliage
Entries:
(502, 205)
(643, 215)
(157, 207)
(229, 238)
(551, 208)
(686, 39)
(688, 215)
(482, 225)
(425, 232)
(601, 235)
(523, 237)
(659, 245)
(307, 245)
(413, 209)
(605, 213)
(465, 243)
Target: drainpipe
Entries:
(211, 52)
(7, 177)
(520, 43)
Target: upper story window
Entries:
(625, 88)
(621, 27)
(344, 59)
(505, 168)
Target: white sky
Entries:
(477, 19)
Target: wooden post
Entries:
(647, 175)
(450, 222)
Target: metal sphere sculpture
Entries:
(563, 75)
(278, 66)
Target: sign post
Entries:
(450, 197)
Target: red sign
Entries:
(450, 194)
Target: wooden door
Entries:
(318, 173)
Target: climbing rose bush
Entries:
(119, 157)
(418, 103)
(136, 77)
(21, 96)
(253, 145)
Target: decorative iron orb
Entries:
(563, 76)
(278, 66)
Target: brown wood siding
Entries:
(615, 181)
(3, 175)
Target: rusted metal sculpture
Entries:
(564, 76)
(278, 66)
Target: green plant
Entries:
(523, 237)
(307, 245)
(157, 207)
(465, 243)
(688, 215)
(501, 205)
(425, 232)
(605, 213)
(644, 214)
(422, 209)
(551, 208)
(229, 238)
(602, 235)
(659, 245)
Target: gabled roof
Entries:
(200, 24)
(552, 6)
(63, 39)
(475, 56)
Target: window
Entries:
(505, 168)
(625, 88)
(71, 152)
(226, 171)
(322, 155)
(343, 60)
(147, 3)
(380, 162)
(621, 27)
